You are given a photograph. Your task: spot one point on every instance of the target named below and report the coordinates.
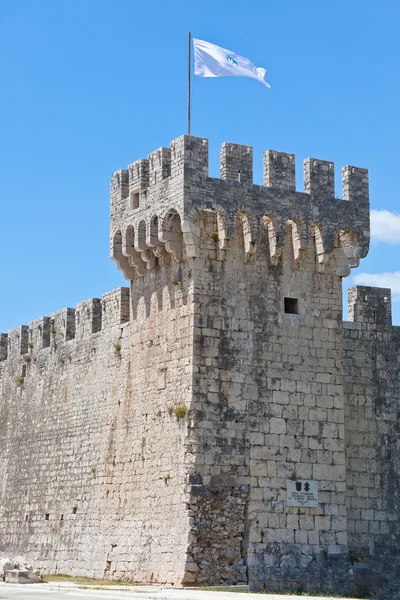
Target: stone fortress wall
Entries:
(150, 435)
(91, 461)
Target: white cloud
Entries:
(385, 227)
(384, 280)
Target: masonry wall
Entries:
(92, 456)
(372, 424)
(268, 393)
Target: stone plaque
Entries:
(302, 493)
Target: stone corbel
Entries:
(122, 264)
(276, 238)
(133, 255)
(223, 237)
(324, 246)
(250, 237)
(343, 267)
(155, 247)
(162, 255)
(149, 259)
(300, 242)
(171, 239)
(191, 237)
(348, 254)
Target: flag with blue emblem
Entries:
(213, 61)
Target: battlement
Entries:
(279, 170)
(89, 317)
(189, 156)
(236, 163)
(370, 306)
(157, 202)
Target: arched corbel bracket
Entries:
(170, 233)
(156, 248)
(121, 260)
(251, 233)
(300, 241)
(324, 246)
(348, 253)
(276, 234)
(191, 237)
(134, 256)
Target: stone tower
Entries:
(254, 274)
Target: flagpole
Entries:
(189, 54)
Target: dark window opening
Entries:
(26, 517)
(47, 516)
(62, 518)
(134, 200)
(23, 370)
(292, 306)
(74, 510)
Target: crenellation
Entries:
(236, 163)
(243, 209)
(63, 323)
(370, 306)
(115, 307)
(319, 178)
(39, 333)
(159, 165)
(139, 180)
(87, 317)
(355, 184)
(18, 339)
(189, 156)
(279, 170)
(3, 346)
(119, 186)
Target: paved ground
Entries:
(67, 592)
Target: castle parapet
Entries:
(87, 317)
(236, 163)
(279, 170)
(149, 233)
(159, 165)
(319, 178)
(39, 333)
(3, 346)
(115, 307)
(63, 323)
(189, 156)
(18, 339)
(355, 184)
(370, 306)
(138, 174)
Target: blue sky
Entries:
(90, 86)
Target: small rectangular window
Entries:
(134, 200)
(47, 516)
(292, 306)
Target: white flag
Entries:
(213, 61)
